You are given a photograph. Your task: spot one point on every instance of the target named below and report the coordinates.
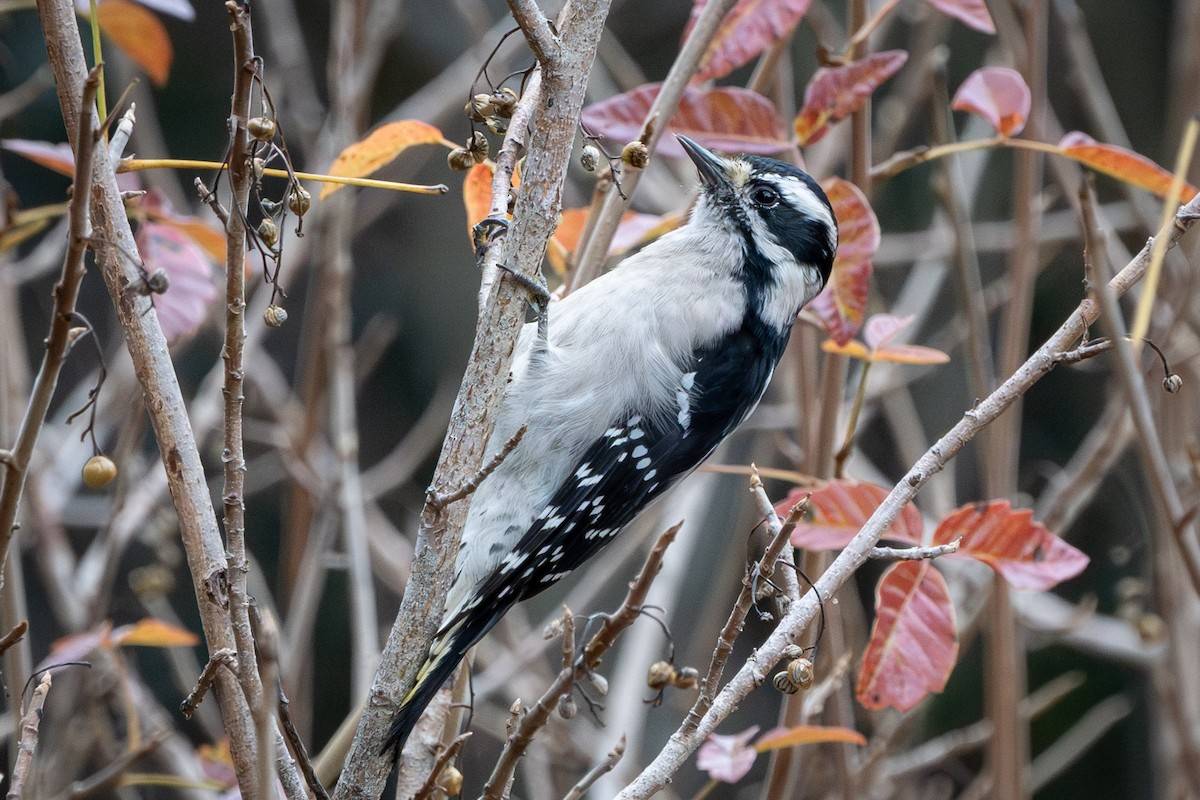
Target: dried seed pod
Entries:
(478, 147)
(599, 682)
(460, 159)
(274, 316)
(784, 683)
(659, 674)
(636, 155)
(566, 706)
(98, 472)
(1172, 383)
(261, 128)
(299, 200)
(800, 672)
(589, 159)
(259, 166)
(792, 652)
(450, 780)
(505, 102)
(158, 282)
(685, 678)
(268, 231)
(480, 108)
(497, 124)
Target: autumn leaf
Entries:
(835, 93)
(726, 118)
(840, 306)
(879, 333)
(838, 510)
(140, 35)
(157, 207)
(727, 758)
(1024, 552)
(749, 28)
(56, 157)
(999, 95)
(1122, 164)
(913, 642)
(972, 13)
(380, 148)
(191, 291)
(150, 632)
(780, 738)
(634, 228)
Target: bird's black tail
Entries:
(447, 650)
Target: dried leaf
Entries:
(842, 303)
(727, 758)
(880, 330)
(835, 93)
(807, 734)
(972, 13)
(913, 642)
(726, 118)
(999, 95)
(749, 28)
(477, 195)
(1024, 552)
(140, 35)
(839, 509)
(1122, 164)
(151, 632)
(380, 148)
(192, 290)
(56, 157)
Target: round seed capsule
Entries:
(261, 128)
(636, 155)
(784, 683)
(1173, 383)
(800, 672)
(268, 231)
(659, 674)
(98, 472)
(275, 316)
(685, 678)
(460, 159)
(299, 200)
(589, 159)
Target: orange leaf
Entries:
(835, 93)
(807, 734)
(749, 28)
(151, 632)
(1024, 552)
(477, 195)
(913, 641)
(839, 509)
(140, 35)
(381, 147)
(726, 118)
(999, 95)
(56, 157)
(633, 229)
(1124, 165)
(972, 13)
(842, 303)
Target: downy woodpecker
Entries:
(644, 372)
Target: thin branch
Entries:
(439, 500)
(297, 745)
(594, 774)
(683, 743)
(13, 636)
(913, 553)
(29, 735)
(445, 757)
(110, 776)
(225, 657)
(536, 28)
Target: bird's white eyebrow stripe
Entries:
(801, 197)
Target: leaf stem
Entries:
(839, 461)
(868, 28)
(139, 164)
(98, 59)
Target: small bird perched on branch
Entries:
(645, 371)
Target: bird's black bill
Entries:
(710, 166)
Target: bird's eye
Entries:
(764, 196)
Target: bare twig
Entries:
(913, 553)
(13, 636)
(445, 757)
(29, 737)
(225, 657)
(440, 500)
(594, 774)
(266, 639)
(110, 776)
(297, 744)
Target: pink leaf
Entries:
(57, 157)
(972, 13)
(1024, 552)
(835, 93)
(1122, 164)
(727, 758)
(913, 642)
(999, 95)
(839, 509)
(191, 290)
(726, 118)
(747, 30)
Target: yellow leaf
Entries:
(807, 734)
(381, 147)
(140, 35)
(852, 348)
(151, 632)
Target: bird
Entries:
(642, 373)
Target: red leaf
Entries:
(748, 29)
(192, 290)
(1024, 552)
(972, 13)
(726, 118)
(140, 35)
(842, 303)
(839, 509)
(999, 95)
(913, 642)
(1124, 165)
(56, 157)
(835, 93)
(380, 148)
